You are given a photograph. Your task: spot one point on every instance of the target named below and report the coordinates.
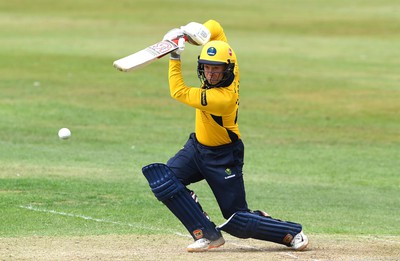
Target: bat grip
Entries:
(177, 39)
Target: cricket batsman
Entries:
(215, 151)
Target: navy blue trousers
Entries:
(220, 166)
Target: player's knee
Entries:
(162, 181)
(227, 212)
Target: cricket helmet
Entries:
(217, 53)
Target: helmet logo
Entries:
(211, 51)
(230, 52)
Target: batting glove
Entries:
(196, 33)
(173, 34)
(176, 55)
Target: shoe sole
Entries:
(302, 247)
(205, 249)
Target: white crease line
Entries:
(30, 207)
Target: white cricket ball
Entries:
(64, 133)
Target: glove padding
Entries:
(173, 34)
(196, 33)
(176, 55)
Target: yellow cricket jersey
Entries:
(216, 108)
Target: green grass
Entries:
(319, 114)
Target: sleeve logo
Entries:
(204, 97)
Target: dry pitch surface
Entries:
(157, 247)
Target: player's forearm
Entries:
(177, 85)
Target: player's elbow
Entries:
(175, 94)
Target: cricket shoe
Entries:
(299, 242)
(203, 244)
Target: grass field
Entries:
(320, 114)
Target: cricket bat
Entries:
(146, 56)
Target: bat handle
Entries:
(177, 39)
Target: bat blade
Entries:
(145, 56)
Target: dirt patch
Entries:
(160, 247)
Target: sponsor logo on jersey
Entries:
(204, 97)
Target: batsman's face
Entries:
(214, 73)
